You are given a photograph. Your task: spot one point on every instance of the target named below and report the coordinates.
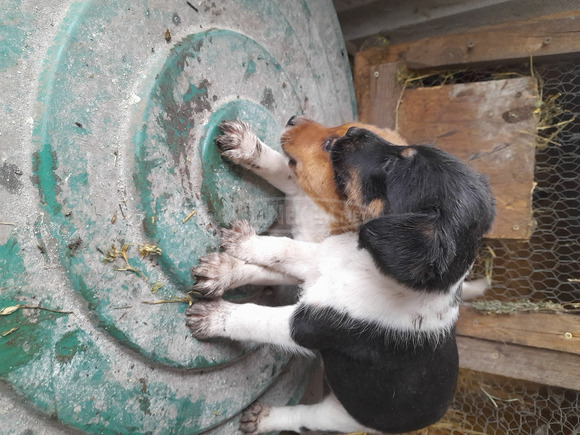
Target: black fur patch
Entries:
(384, 379)
(436, 208)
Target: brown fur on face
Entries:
(304, 143)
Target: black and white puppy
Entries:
(379, 304)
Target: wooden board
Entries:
(385, 86)
(535, 38)
(490, 126)
(365, 64)
(559, 332)
(542, 366)
(515, 41)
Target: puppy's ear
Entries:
(411, 248)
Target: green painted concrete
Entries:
(106, 137)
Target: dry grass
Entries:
(522, 306)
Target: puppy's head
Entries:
(308, 145)
(426, 210)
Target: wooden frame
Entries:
(542, 366)
(537, 347)
(547, 36)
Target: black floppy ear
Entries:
(412, 248)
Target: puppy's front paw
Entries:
(206, 318)
(237, 241)
(252, 416)
(239, 144)
(214, 274)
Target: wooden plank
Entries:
(364, 64)
(385, 87)
(510, 41)
(519, 40)
(559, 332)
(489, 125)
(542, 366)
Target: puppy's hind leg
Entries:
(328, 415)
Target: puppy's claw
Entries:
(205, 317)
(250, 427)
(233, 135)
(251, 417)
(234, 238)
(238, 143)
(214, 274)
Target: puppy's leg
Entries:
(328, 415)
(243, 322)
(218, 272)
(291, 257)
(240, 145)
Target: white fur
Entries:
(474, 289)
(328, 415)
(217, 273)
(244, 148)
(336, 274)
(245, 322)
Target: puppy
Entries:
(379, 303)
(312, 206)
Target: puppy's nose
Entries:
(353, 131)
(291, 120)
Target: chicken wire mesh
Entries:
(485, 404)
(545, 266)
(541, 269)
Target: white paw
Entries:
(206, 318)
(252, 416)
(239, 144)
(237, 241)
(214, 274)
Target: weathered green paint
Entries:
(168, 122)
(250, 68)
(64, 151)
(21, 347)
(123, 123)
(230, 191)
(11, 264)
(67, 347)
